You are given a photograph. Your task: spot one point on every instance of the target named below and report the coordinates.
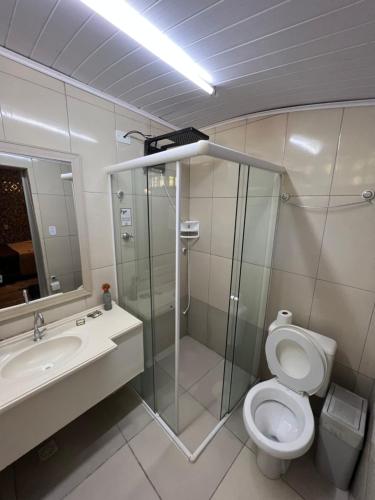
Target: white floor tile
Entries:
(164, 388)
(236, 425)
(305, 478)
(209, 388)
(126, 410)
(244, 481)
(195, 361)
(195, 422)
(83, 446)
(171, 473)
(120, 478)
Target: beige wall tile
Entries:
(225, 178)
(265, 138)
(364, 385)
(47, 176)
(299, 236)
(293, 292)
(355, 165)
(233, 137)
(100, 276)
(367, 366)
(76, 256)
(200, 209)
(33, 114)
(126, 120)
(92, 131)
(71, 212)
(226, 126)
(310, 151)
(259, 232)
(2, 136)
(66, 282)
(201, 177)
(348, 245)
(158, 128)
(200, 269)
(220, 273)
(59, 255)
(162, 225)
(33, 76)
(253, 293)
(88, 97)
(343, 313)
(223, 219)
(263, 183)
(100, 230)
(54, 215)
(344, 376)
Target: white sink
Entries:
(41, 357)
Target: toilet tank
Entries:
(329, 347)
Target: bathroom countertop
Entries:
(94, 339)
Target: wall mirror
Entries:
(43, 254)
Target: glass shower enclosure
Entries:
(202, 299)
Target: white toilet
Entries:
(277, 413)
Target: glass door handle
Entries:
(234, 298)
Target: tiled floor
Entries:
(201, 381)
(117, 451)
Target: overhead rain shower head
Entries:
(173, 139)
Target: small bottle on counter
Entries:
(107, 299)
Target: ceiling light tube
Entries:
(128, 20)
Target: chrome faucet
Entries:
(38, 324)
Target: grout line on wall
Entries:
(2, 122)
(68, 120)
(294, 109)
(9, 54)
(365, 340)
(326, 218)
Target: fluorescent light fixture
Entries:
(125, 18)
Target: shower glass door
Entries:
(130, 220)
(256, 216)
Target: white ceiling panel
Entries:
(6, 11)
(28, 21)
(262, 53)
(295, 35)
(167, 13)
(223, 14)
(68, 17)
(107, 54)
(93, 33)
(128, 64)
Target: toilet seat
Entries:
(297, 361)
(295, 441)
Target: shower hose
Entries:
(186, 310)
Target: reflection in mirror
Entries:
(39, 249)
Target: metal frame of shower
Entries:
(177, 154)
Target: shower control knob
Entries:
(127, 236)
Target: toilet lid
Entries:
(295, 359)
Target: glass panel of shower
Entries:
(256, 217)
(193, 379)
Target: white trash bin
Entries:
(341, 434)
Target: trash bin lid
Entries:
(344, 414)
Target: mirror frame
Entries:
(21, 310)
